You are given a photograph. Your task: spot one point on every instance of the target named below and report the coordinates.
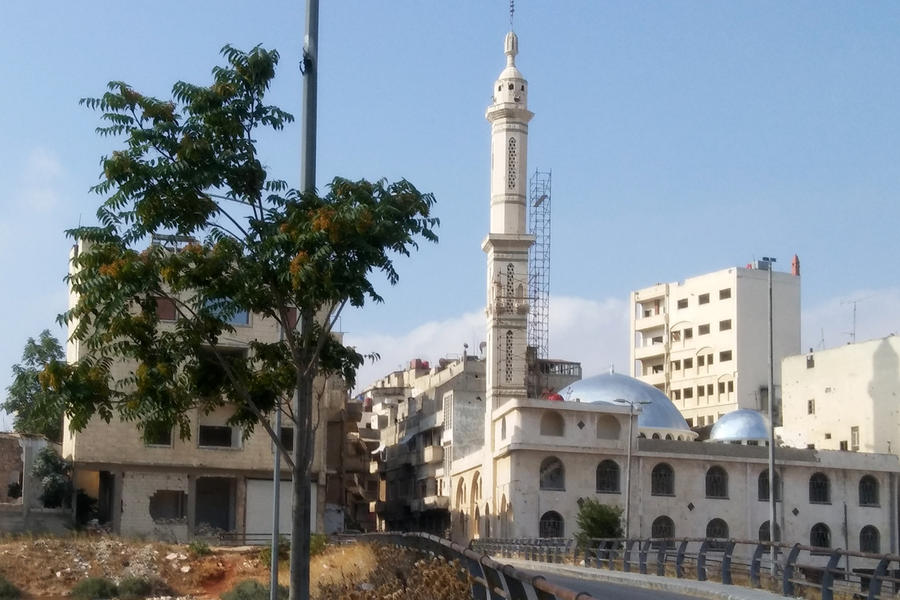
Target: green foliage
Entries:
(199, 548)
(317, 543)
(7, 590)
(284, 550)
(135, 588)
(55, 474)
(597, 520)
(14, 490)
(94, 588)
(35, 409)
(250, 589)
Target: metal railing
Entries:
(490, 580)
(732, 562)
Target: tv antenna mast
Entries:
(853, 303)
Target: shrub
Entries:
(93, 588)
(134, 588)
(7, 590)
(55, 475)
(597, 520)
(199, 548)
(317, 542)
(250, 589)
(284, 551)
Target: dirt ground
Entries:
(49, 567)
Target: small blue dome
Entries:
(657, 411)
(741, 426)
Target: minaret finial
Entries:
(512, 12)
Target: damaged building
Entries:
(21, 509)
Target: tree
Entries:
(227, 239)
(35, 409)
(597, 520)
(55, 474)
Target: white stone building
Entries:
(844, 398)
(704, 341)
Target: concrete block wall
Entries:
(137, 488)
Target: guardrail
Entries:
(490, 580)
(858, 574)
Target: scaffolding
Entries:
(539, 263)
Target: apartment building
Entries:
(844, 398)
(704, 341)
(218, 481)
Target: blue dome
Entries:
(657, 411)
(741, 426)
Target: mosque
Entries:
(472, 448)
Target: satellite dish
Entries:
(481, 347)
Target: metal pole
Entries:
(628, 472)
(276, 501)
(309, 67)
(773, 527)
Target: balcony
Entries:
(650, 322)
(433, 454)
(654, 378)
(648, 351)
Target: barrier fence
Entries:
(490, 580)
(748, 562)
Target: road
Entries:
(601, 589)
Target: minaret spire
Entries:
(512, 12)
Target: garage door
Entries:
(259, 507)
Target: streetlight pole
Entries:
(773, 526)
(631, 417)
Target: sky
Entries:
(683, 138)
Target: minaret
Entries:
(506, 247)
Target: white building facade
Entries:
(704, 341)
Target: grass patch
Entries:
(250, 589)
(7, 590)
(94, 588)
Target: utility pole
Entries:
(632, 415)
(773, 527)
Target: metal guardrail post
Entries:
(828, 575)
(612, 554)
(496, 586)
(679, 559)
(701, 561)
(626, 557)
(661, 558)
(726, 562)
(514, 585)
(787, 586)
(642, 557)
(877, 577)
(756, 565)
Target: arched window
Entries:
(461, 494)
(762, 486)
(870, 540)
(552, 424)
(655, 436)
(662, 480)
(718, 529)
(487, 520)
(819, 489)
(608, 427)
(868, 491)
(662, 527)
(608, 477)
(509, 356)
(764, 532)
(716, 482)
(820, 536)
(510, 285)
(553, 475)
(551, 525)
(512, 164)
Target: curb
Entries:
(699, 589)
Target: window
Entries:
(688, 363)
(764, 532)
(819, 489)
(725, 294)
(716, 482)
(552, 424)
(730, 386)
(676, 394)
(725, 325)
(224, 308)
(717, 529)
(657, 340)
(676, 365)
(676, 336)
(701, 391)
(553, 476)
(762, 487)
(820, 536)
(503, 428)
(168, 504)
(214, 436)
(165, 309)
(724, 355)
(662, 481)
(843, 445)
(703, 329)
(869, 540)
(663, 528)
(688, 393)
(701, 360)
(689, 421)
(810, 361)
(703, 299)
(608, 477)
(868, 491)
(811, 406)
(701, 421)
(721, 387)
(828, 437)
(551, 525)
(854, 438)
(682, 303)
(709, 389)
(688, 333)
(158, 436)
(287, 438)
(709, 359)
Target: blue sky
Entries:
(684, 137)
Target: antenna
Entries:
(853, 303)
(512, 12)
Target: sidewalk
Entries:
(700, 589)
